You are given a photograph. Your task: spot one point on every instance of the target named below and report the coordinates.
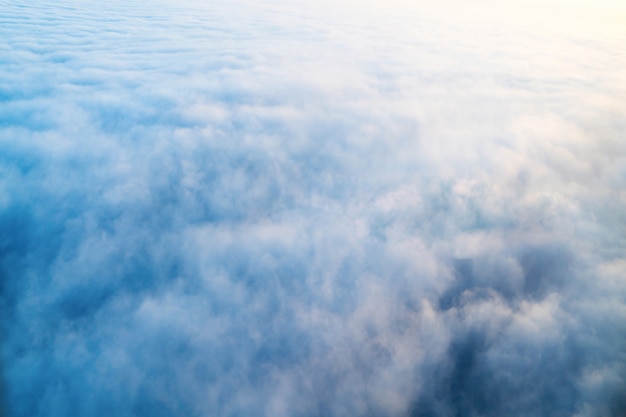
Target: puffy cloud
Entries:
(293, 209)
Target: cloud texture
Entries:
(281, 209)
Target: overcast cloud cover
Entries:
(278, 208)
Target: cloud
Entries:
(299, 210)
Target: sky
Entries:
(287, 208)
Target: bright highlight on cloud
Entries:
(285, 209)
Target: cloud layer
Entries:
(284, 209)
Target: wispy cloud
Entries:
(297, 210)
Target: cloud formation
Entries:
(284, 209)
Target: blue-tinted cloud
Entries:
(294, 210)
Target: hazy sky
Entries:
(287, 208)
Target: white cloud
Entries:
(281, 208)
